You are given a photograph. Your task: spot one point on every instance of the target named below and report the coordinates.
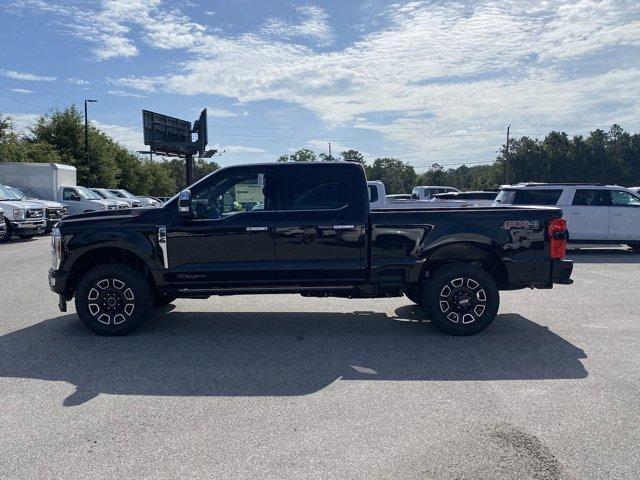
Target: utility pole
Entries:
(86, 133)
(189, 162)
(506, 158)
(330, 150)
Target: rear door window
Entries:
(373, 193)
(591, 198)
(536, 197)
(315, 189)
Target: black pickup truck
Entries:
(307, 229)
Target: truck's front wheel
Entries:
(113, 299)
(461, 299)
(8, 233)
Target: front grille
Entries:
(54, 213)
(34, 213)
(123, 206)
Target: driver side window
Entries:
(231, 194)
(624, 199)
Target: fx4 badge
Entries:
(521, 225)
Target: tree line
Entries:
(611, 156)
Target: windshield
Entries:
(7, 194)
(505, 196)
(88, 194)
(104, 193)
(123, 193)
(16, 192)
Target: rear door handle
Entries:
(344, 227)
(257, 229)
(575, 213)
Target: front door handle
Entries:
(257, 229)
(344, 227)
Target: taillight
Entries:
(557, 231)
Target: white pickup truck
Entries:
(378, 199)
(22, 218)
(595, 213)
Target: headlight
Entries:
(103, 207)
(18, 213)
(56, 248)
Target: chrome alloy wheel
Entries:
(463, 300)
(111, 301)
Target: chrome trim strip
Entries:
(162, 242)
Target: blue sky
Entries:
(425, 81)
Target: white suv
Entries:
(595, 213)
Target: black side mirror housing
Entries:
(184, 205)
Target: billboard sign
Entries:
(166, 134)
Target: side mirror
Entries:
(184, 205)
(75, 197)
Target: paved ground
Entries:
(287, 387)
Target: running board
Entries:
(204, 292)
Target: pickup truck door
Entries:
(625, 216)
(230, 239)
(588, 215)
(73, 200)
(321, 226)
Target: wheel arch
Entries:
(103, 255)
(478, 253)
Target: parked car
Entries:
(3, 226)
(378, 198)
(479, 198)
(595, 213)
(144, 201)
(122, 202)
(21, 217)
(635, 189)
(315, 236)
(54, 211)
(427, 192)
(52, 181)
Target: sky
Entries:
(424, 81)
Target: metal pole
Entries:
(86, 138)
(189, 162)
(330, 150)
(506, 158)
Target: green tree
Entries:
(397, 176)
(303, 155)
(352, 156)
(324, 157)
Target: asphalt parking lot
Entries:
(287, 387)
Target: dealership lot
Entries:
(288, 387)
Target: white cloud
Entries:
(122, 93)
(128, 137)
(78, 81)
(22, 90)
(231, 149)
(30, 77)
(22, 122)
(313, 24)
(220, 112)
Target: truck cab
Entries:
(81, 200)
(21, 217)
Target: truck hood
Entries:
(46, 203)
(120, 215)
(6, 204)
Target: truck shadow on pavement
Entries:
(279, 353)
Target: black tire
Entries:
(8, 232)
(113, 299)
(163, 299)
(414, 295)
(461, 299)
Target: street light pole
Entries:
(86, 133)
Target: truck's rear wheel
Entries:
(113, 299)
(8, 233)
(461, 299)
